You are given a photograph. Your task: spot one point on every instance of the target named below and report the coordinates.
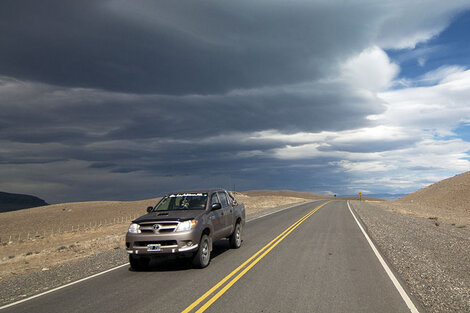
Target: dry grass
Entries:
(60, 218)
(41, 252)
(258, 202)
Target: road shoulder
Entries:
(432, 258)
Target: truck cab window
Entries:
(214, 199)
(223, 199)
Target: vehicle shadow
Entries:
(173, 263)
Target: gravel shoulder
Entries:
(23, 286)
(80, 266)
(432, 256)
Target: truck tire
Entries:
(138, 263)
(236, 237)
(203, 255)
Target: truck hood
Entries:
(180, 215)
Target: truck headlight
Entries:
(186, 225)
(134, 228)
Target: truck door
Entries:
(228, 213)
(217, 218)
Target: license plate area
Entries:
(154, 247)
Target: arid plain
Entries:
(424, 236)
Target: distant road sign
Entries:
(360, 193)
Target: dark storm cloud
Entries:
(82, 117)
(128, 99)
(176, 47)
(287, 112)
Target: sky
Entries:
(128, 100)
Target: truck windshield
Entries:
(186, 201)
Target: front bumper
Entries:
(157, 244)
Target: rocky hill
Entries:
(13, 202)
(449, 194)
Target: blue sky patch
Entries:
(463, 131)
(451, 47)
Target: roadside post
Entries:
(360, 196)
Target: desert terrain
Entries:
(425, 236)
(40, 238)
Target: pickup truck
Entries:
(185, 224)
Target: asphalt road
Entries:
(321, 264)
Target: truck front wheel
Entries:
(203, 255)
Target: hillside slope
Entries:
(15, 201)
(449, 194)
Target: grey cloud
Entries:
(422, 168)
(369, 145)
(177, 47)
(46, 135)
(405, 23)
(83, 117)
(102, 165)
(181, 118)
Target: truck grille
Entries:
(163, 227)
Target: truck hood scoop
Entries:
(182, 215)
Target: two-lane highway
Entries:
(310, 258)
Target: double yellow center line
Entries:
(245, 267)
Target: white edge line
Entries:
(61, 287)
(115, 268)
(290, 207)
(395, 281)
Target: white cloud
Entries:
(444, 72)
(412, 130)
(439, 108)
(370, 70)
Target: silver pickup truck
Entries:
(185, 224)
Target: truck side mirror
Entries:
(216, 206)
(149, 209)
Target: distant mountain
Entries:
(360, 198)
(284, 193)
(388, 196)
(14, 201)
(374, 196)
